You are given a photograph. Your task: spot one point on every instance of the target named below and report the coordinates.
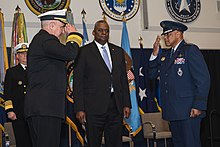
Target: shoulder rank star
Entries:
(163, 58)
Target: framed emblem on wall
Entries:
(41, 6)
(183, 10)
(119, 9)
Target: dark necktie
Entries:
(171, 52)
(106, 58)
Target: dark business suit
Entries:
(92, 89)
(47, 81)
(14, 91)
(184, 84)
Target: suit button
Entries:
(166, 74)
(166, 91)
(24, 86)
(165, 83)
(25, 92)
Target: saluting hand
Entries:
(70, 28)
(156, 46)
(12, 115)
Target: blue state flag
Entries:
(146, 99)
(134, 120)
(85, 34)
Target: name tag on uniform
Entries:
(179, 61)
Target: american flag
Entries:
(130, 75)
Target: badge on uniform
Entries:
(162, 58)
(180, 72)
(179, 61)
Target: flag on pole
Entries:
(19, 33)
(3, 68)
(85, 34)
(146, 98)
(157, 89)
(72, 132)
(76, 131)
(3, 50)
(134, 121)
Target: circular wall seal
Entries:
(183, 10)
(119, 9)
(41, 6)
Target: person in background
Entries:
(101, 90)
(184, 84)
(47, 83)
(14, 95)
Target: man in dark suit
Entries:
(101, 89)
(14, 94)
(47, 83)
(184, 84)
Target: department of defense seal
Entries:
(41, 6)
(183, 10)
(120, 9)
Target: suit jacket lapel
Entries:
(113, 55)
(98, 55)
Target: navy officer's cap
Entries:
(54, 15)
(21, 47)
(169, 26)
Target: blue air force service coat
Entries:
(184, 81)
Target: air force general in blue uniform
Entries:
(185, 83)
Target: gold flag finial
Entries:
(69, 10)
(140, 39)
(83, 13)
(123, 16)
(104, 16)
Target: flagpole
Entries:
(70, 134)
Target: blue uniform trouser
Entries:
(186, 133)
